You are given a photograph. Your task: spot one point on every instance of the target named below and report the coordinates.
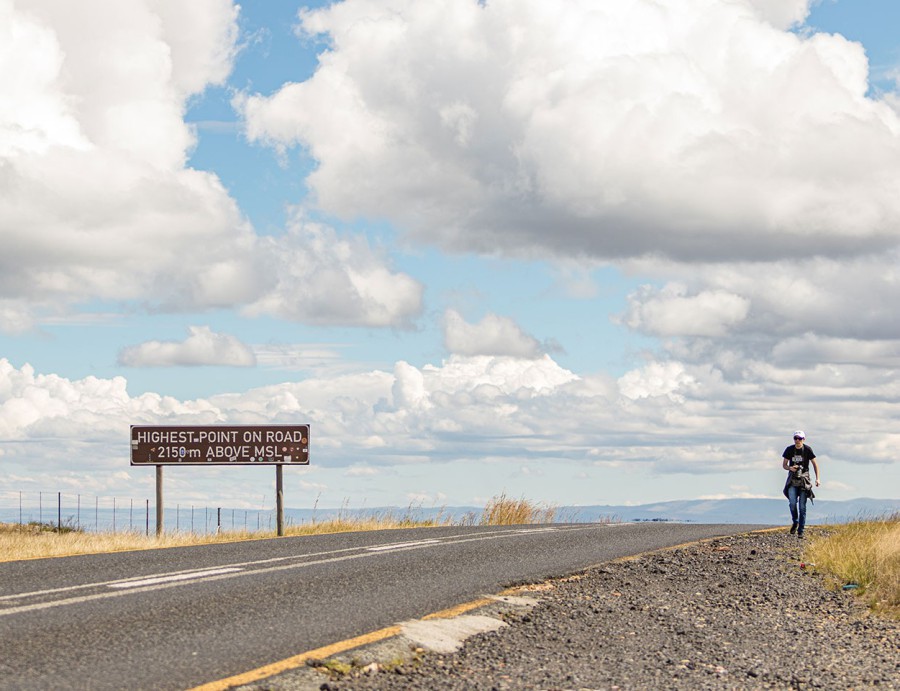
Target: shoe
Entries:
(793, 528)
(800, 535)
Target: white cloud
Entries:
(202, 347)
(696, 143)
(15, 317)
(93, 145)
(426, 498)
(834, 318)
(493, 335)
(51, 408)
(656, 379)
(665, 418)
(98, 202)
(699, 131)
(810, 350)
(300, 357)
(783, 13)
(321, 278)
(672, 312)
(362, 471)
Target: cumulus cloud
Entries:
(93, 147)
(202, 347)
(672, 312)
(771, 310)
(493, 335)
(321, 278)
(49, 407)
(657, 379)
(98, 200)
(737, 165)
(782, 13)
(697, 131)
(683, 417)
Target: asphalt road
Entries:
(176, 618)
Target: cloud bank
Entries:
(737, 165)
(698, 130)
(658, 420)
(740, 166)
(98, 201)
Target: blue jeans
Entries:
(797, 501)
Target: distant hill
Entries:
(766, 511)
(771, 511)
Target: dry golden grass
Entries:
(33, 542)
(864, 553)
(501, 510)
(36, 541)
(22, 542)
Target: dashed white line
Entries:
(165, 581)
(401, 545)
(168, 579)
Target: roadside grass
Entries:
(38, 540)
(34, 542)
(501, 510)
(865, 554)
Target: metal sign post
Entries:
(277, 445)
(159, 500)
(279, 501)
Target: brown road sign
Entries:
(220, 445)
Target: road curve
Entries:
(176, 618)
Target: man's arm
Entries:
(816, 468)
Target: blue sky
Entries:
(582, 256)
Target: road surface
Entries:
(176, 618)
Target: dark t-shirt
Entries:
(806, 455)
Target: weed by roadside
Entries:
(501, 510)
(864, 554)
(36, 527)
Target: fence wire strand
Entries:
(102, 514)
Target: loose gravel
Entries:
(730, 613)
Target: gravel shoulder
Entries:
(730, 613)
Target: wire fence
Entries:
(91, 513)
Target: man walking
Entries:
(798, 487)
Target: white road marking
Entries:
(168, 579)
(536, 530)
(233, 570)
(401, 545)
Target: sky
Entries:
(574, 252)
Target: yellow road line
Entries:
(333, 649)
(299, 660)
(391, 631)
(451, 612)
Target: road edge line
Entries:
(327, 651)
(296, 661)
(343, 646)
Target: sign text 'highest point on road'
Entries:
(220, 445)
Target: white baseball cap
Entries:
(799, 433)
